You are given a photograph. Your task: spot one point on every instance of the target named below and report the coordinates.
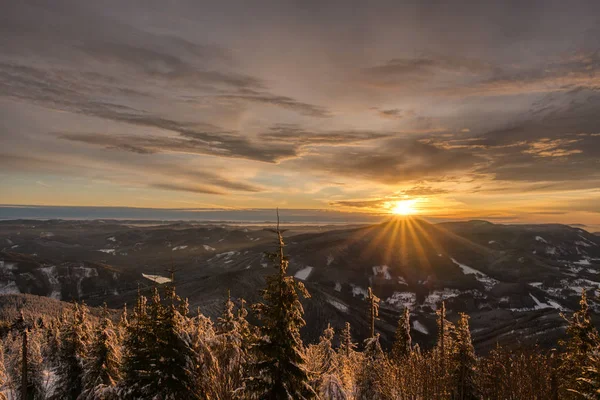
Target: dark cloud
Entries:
(289, 103)
(161, 175)
(392, 162)
(292, 133)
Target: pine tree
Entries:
(280, 371)
(371, 374)
(582, 340)
(328, 383)
(230, 355)
(347, 357)
(73, 350)
(36, 388)
(464, 379)
(102, 368)
(373, 309)
(402, 346)
(444, 348)
(3, 374)
(172, 356)
(137, 350)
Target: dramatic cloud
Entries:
(312, 106)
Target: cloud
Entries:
(392, 162)
(289, 103)
(294, 133)
(128, 172)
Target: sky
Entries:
(468, 109)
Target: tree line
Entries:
(159, 351)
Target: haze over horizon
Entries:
(464, 110)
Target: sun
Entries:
(403, 207)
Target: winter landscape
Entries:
(284, 200)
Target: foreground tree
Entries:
(102, 369)
(402, 346)
(464, 378)
(74, 347)
(279, 371)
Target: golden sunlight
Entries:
(404, 207)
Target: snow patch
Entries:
(418, 326)
(208, 248)
(304, 273)
(338, 287)
(488, 282)
(112, 239)
(402, 300)
(339, 305)
(179, 248)
(330, 259)
(157, 278)
(10, 288)
(382, 270)
(585, 261)
(358, 291)
(540, 239)
(491, 242)
(108, 251)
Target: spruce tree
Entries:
(172, 357)
(464, 379)
(347, 358)
(74, 347)
(138, 349)
(3, 374)
(279, 371)
(36, 388)
(229, 352)
(582, 340)
(102, 368)
(347, 346)
(372, 371)
(402, 346)
(328, 383)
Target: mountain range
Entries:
(513, 280)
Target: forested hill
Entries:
(158, 350)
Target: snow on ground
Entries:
(208, 248)
(304, 273)
(10, 288)
(6, 266)
(541, 306)
(112, 239)
(179, 248)
(157, 278)
(536, 284)
(50, 273)
(264, 264)
(488, 282)
(339, 305)
(491, 242)
(402, 281)
(226, 255)
(358, 291)
(585, 261)
(550, 250)
(382, 270)
(588, 241)
(108, 251)
(584, 244)
(338, 287)
(417, 326)
(437, 296)
(330, 259)
(540, 239)
(402, 300)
